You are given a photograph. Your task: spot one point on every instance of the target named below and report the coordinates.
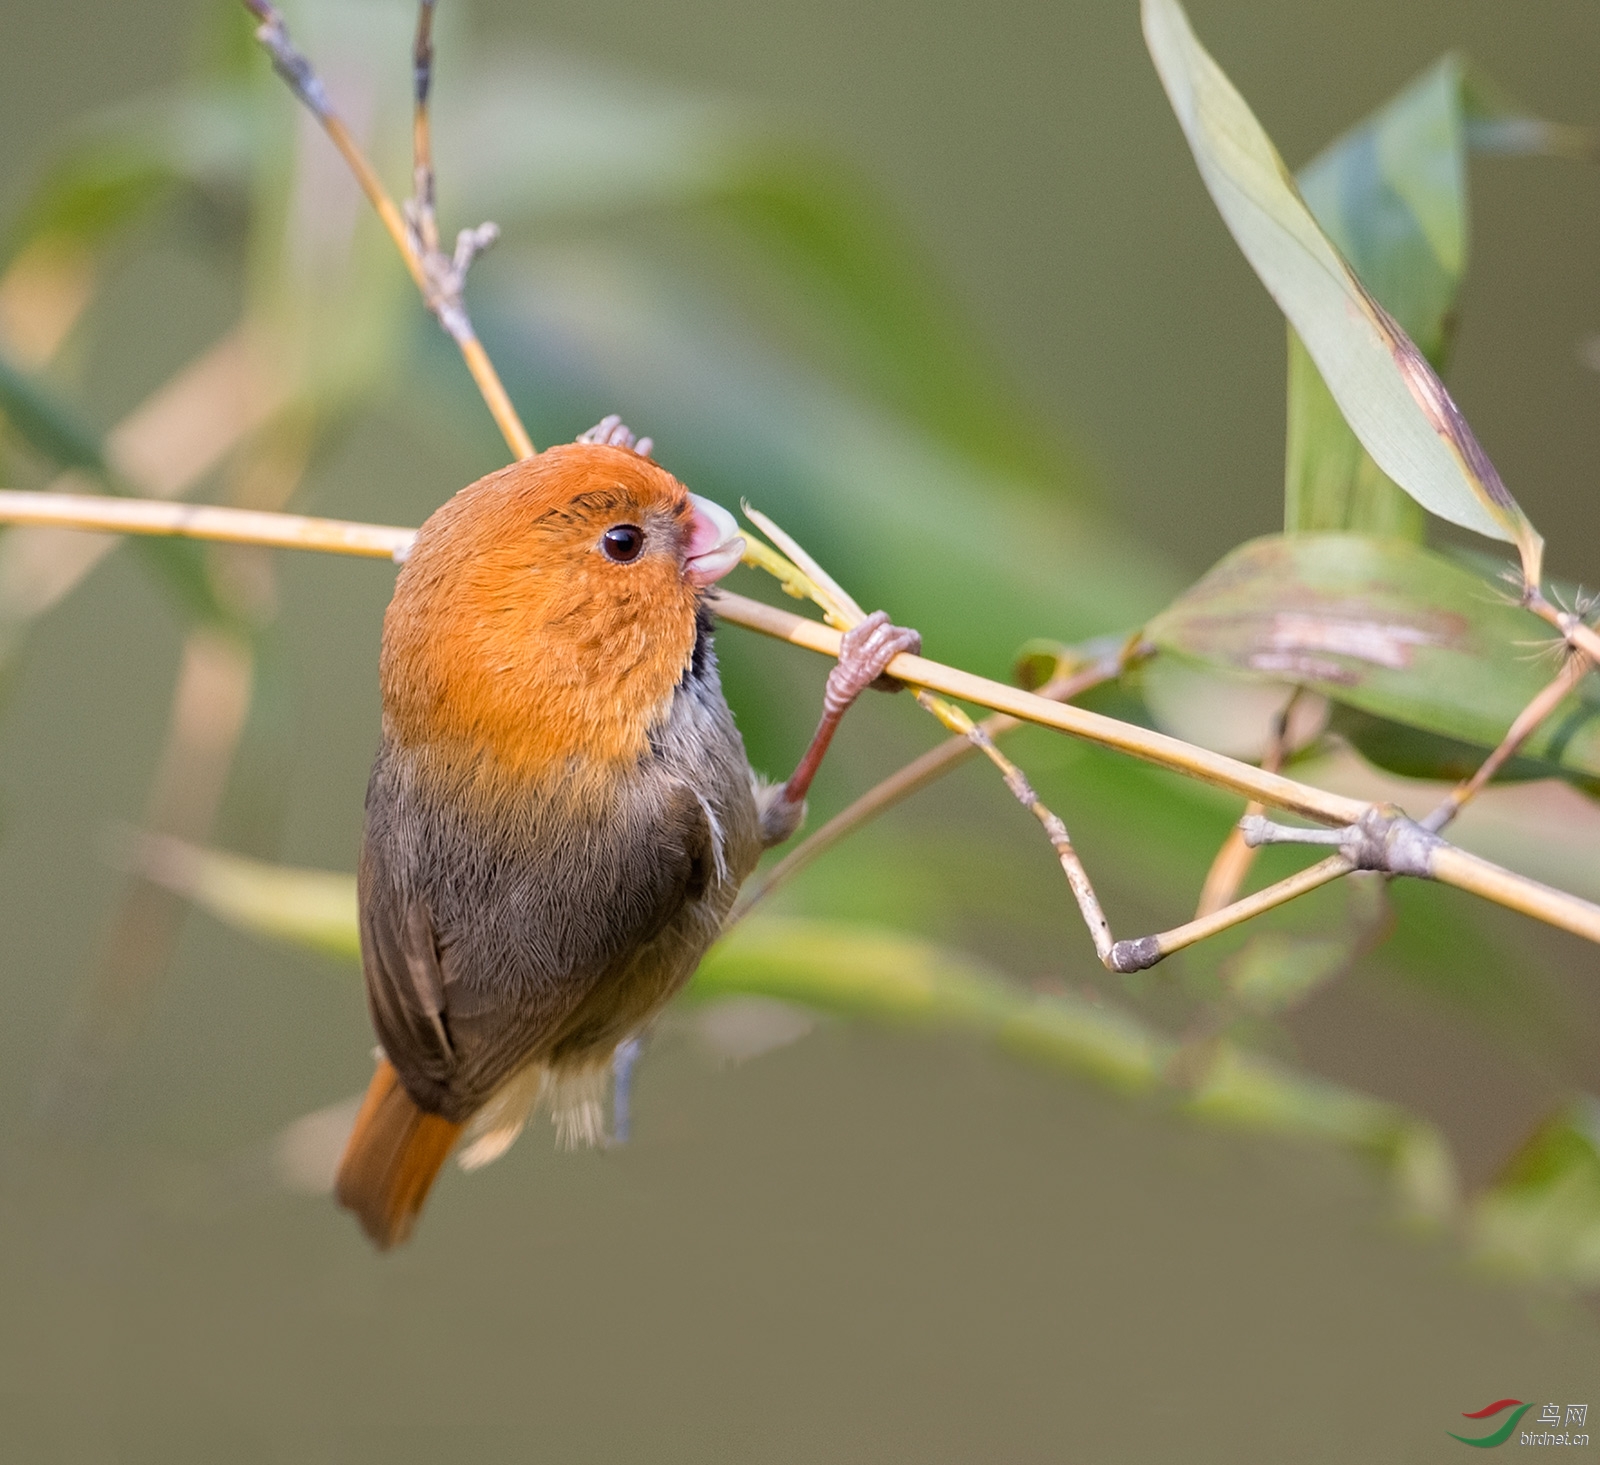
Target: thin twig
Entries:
(438, 276)
(806, 575)
(1056, 831)
(423, 200)
(915, 776)
(1448, 865)
(1146, 951)
(1235, 857)
(1576, 631)
(1528, 720)
(203, 521)
(1273, 790)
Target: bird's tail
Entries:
(394, 1153)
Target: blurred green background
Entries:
(871, 1243)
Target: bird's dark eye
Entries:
(622, 542)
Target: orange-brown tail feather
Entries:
(392, 1158)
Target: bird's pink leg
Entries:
(864, 652)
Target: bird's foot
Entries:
(622, 1065)
(864, 652)
(612, 432)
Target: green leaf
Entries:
(1330, 480)
(1391, 194)
(315, 909)
(128, 160)
(863, 971)
(533, 142)
(46, 423)
(1391, 397)
(1278, 970)
(844, 476)
(1542, 1215)
(1387, 627)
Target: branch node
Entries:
(1387, 841)
(470, 243)
(1136, 955)
(288, 60)
(1384, 840)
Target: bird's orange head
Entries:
(546, 614)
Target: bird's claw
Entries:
(864, 652)
(612, 432)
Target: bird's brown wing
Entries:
(404, 977)
(452, 1010)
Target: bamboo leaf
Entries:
(1386, 627)
(127, 161)
(738, 420)
(870, 972)
(1277, 970)
(46, 423)
(314, 909)
(1542, 1216)
(534, 141)
(1391, 397)
(1391, 194)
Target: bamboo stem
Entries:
(904, 782)
(1273, 790)
(1055, 830)
(1521, 730)
(1234, 859)
(438, 277)
(203, 521)
(1450, 866)
(1132, 956)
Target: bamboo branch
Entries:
(915, 776)
(1575, 631)
(1452, 865)
(1055, 830)
(1448, 865)
(1273, 790)
(439, 277)
(1521, 730)
(1234, 859)
(203, 521)
(379, 541)
(1146, 951)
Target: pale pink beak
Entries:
(714, 546)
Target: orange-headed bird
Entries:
(561, 812)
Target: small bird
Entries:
(561, 811)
